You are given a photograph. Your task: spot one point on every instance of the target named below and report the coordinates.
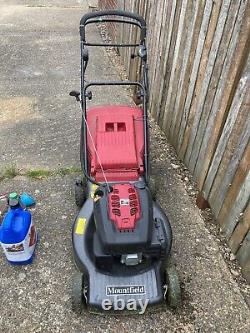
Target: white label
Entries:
(124, 202)
(21, 251)
(125, 290)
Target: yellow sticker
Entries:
(80, 226)
(94, 187)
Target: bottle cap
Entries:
(26, 200)
(13, 199)
(13, 196)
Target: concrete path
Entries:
(39, 128)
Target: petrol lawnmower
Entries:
(121, 236)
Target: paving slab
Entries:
(41, 65)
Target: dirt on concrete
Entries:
(40, 46)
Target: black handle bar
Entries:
(88, 16)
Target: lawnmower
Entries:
(121, 236)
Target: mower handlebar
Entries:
(140, 19)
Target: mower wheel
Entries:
(80, 191)
(173, 296)
(77, 297)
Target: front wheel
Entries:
(173, 296)
(77, 298)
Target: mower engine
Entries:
(126, 229)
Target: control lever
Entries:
(88, 94)
(75, 94)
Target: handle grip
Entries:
(88, 16)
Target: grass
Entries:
(44, 173)
(38, 173)
(12, 171)
(67, 171)
(9, 172)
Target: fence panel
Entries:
(199, 70)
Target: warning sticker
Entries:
(80, 226)
(94, 187)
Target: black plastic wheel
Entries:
(77, 298)
(80, 191)
(173, 296)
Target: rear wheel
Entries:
(80, 191)
(173, 296)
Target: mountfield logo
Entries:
(125, 290)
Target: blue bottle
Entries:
(17, 233)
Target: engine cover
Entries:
(124, 207)
(124, 219)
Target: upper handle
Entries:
(140, 19)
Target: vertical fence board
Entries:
(167, 72)
(177, 58)
(204, 56)
(188, 58)
(155, 98)
(240, 231)
(156, 32)
(187, 115)
(234, 189)
(232, 151)
(243, 255)
(228, 225)
(160, 44)
(227, 171)
(237, 51)
(193, 144)
(205, 131)
(133, 38)
(183, 55)
(202, 80)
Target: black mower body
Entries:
(105, 275)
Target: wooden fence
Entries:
(199, 67)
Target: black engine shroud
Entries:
(102, 266)
(149, 237)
